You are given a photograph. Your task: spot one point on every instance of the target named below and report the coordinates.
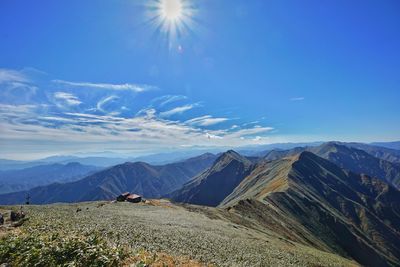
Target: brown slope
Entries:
(310, 200)
(358, 158)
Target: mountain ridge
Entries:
(322, 205)
(139, 177)
(214, 184)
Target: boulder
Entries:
(16, 216)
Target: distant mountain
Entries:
(388, 154)
(392, 145)
(212, 186)
(25, 179)
(311, 200)
(261, 150)
(359, 161)
(101, 162)
(139, 177)
(356, 157)
(6, 164)
(279, 154)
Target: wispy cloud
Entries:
(178, 110)
(104, 101)
(206, 120)
(68, 98)
(297, 98)
(7, 75)
(167, 99)
(49, 117)
(108, 86)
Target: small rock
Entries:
(16, 216)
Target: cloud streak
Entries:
(206, 120)
(7, 75)
(297, 98)
(138, 88)
(178, 110)
(168, 99)
(68, 98)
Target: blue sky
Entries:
(79, 76)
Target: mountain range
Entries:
(151, 181)
(341, 198)
(25, 179)
(309, 199)
(359, 158)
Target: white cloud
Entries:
(7, 75)
(68, 117)
(251, 131)
(206, 120)
(138, 88)
(178, 110)
(143, 132)
(213, 136)
(68, 98)
(297, 98)
(167, 99)
(105, 100)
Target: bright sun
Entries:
(171, 10)
(172, 19)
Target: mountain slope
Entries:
(25, 179)
(350, 156)
(388, 154)
(359, 161)
(139, 177)
(213, 185)
(392, 145)
(311, 200)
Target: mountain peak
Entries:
(212, 186)
(231, 155)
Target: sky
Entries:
(139, 77)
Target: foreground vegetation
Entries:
(153, 234)
(55, 249)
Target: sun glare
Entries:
(172, 19)
(171, 9)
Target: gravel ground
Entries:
(163, 227)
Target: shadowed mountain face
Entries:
(213, 185)
(25, 179)
(311, 200)
(368, 159)
(140, 178)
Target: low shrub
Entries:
(58, 250)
